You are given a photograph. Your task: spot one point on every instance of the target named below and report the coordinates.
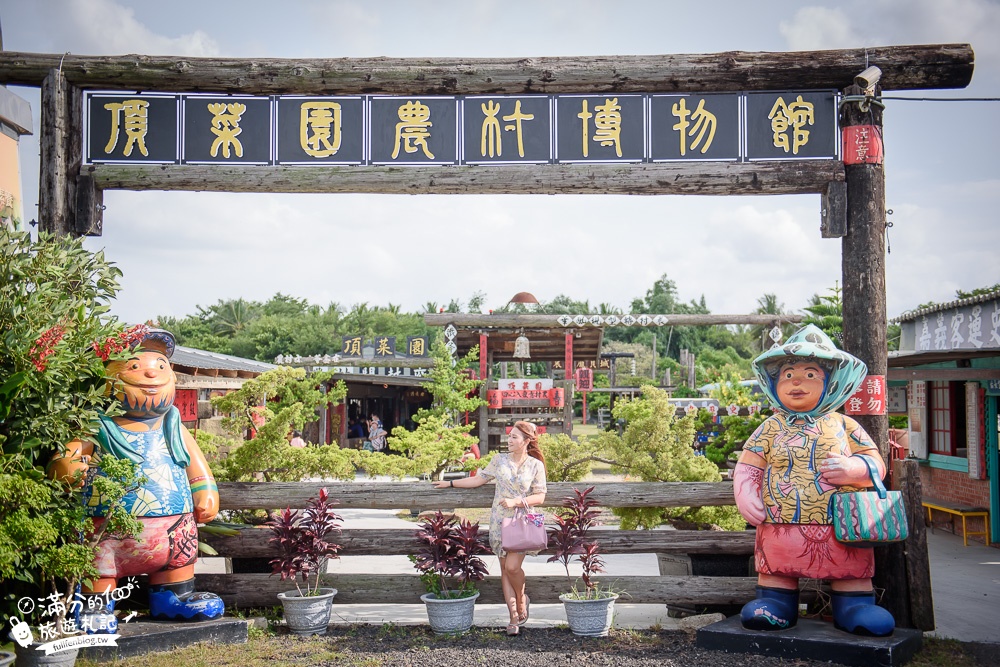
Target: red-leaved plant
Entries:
(301, 539)
(450, 547)
(569, 537)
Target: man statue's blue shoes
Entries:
(180, 602)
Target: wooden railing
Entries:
(255, 590)
(905, 568)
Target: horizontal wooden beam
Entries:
(953, 374)
(260, 590)
(423, 496)
(552, 321)
(694, 178)
(253, 542)
(912, 67)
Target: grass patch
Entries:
(266, 651)
(937, 652)
(353, 647)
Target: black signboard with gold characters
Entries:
(474, 129)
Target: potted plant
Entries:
(450, 547)
(301, 540)
(49, 523)
(589, 611)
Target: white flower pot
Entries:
(450, 616)
(590, 618)
(29, 657)
(308, 615)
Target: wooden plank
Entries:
(918, 565)
(916, 67)
(423, 496)
(552, 321)
(252, 542)
(54, 206)
(833, 211)
(260, 590)
(693, 178)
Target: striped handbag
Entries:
(869, 517)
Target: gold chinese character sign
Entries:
(317, 130)
(507, 129)
(788, 125)
(134, 128)
(414, 130)
(482, 129)
(695, 127)
(600, 128)
(234, 130)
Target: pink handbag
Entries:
(525, 531)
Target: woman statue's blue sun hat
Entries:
(844, 372)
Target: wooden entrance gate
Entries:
(853, 194)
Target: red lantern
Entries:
(557, 397)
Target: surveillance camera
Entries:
(868, 78)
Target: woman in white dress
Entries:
(520, 480)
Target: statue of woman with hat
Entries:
(788, 470)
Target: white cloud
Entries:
(107, 27)
(818, 28)
(886, 22)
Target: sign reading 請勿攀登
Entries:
(476, 129)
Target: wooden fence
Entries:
(256, 590)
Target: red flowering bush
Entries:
(54, 301)
(125, 340)
(44, 346)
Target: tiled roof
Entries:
(193, 358)
(914, 314)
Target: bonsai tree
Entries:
(302, 542)
(450, 547)
(656, 446)
(569, 538)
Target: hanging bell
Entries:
(521, 347)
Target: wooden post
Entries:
(918, 566)
(863, 274)
(568, 386)
(484, 409)
(54, 206)
(483, 343)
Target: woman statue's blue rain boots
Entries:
(858, 614)
(773, 609)
(180, 602)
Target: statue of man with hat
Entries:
(179, 491)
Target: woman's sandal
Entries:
(521, 620)
(513, 629)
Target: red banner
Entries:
(869, 399)
(496, 398)
(186, 401)
(862, 144)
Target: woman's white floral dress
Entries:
(514, 482)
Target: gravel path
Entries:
(551, 647)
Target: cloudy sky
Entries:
(179, 250)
